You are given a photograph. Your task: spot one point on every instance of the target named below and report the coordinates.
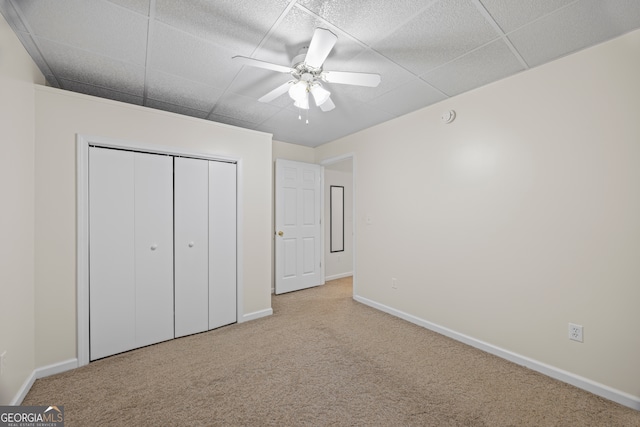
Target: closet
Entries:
(162, 248)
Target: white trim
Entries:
(82, 249)
(22, 393)
(42, 372)
(256, 315)
(239, 242)
(339, 276)
(56, 368)
(591, 386)
(82, 209)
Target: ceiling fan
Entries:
(308, 75)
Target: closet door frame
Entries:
(83, 142)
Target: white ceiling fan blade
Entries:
(327, 105)
(349, 78)
(280, 90)
(321, 44)
(263, 64)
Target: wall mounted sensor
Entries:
(448, 116)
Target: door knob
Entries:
(191, 244)
(154, 247)
(280, 233)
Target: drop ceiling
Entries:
(177, 55)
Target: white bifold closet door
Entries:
(222, 244)
(205, 245)
(192, 247)
(131, 250)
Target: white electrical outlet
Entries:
(394, 283)
(575, 332)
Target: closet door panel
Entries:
(222, 244)
(191, 246)
(112, 252)
(153, 248)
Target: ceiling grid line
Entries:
(147, 68)
(483, 10)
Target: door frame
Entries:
(82, 224)
(327, 162)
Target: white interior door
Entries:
(298, 226)
(191, 182)
(222, 244)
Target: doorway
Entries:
(339, 218)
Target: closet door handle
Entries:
(191, 244)
(154, 247)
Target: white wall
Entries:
(17, 104)
(519, 217)
(338, 264)
(60, 115)
(297, 153)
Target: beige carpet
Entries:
(321, 359)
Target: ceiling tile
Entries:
(238, 26)
(408, 97)
(366, 20)
(178, 109)
(86, 67)
(140, 6)
(244, 108)
(178, 53)
(175, 90)
(511, 15)
(100, 92)
(575, 27)
(295, 32)
(485, 65)
(444, 31)
(286, 127)
(97, 26)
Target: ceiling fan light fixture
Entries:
(298, 91)
(320, 94)
(303, 102)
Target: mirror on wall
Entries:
(336, 223)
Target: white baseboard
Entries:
(339, 276)
(43, 372)
(56, 368)
(256, 315)
(596, 388)
(22, 393)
